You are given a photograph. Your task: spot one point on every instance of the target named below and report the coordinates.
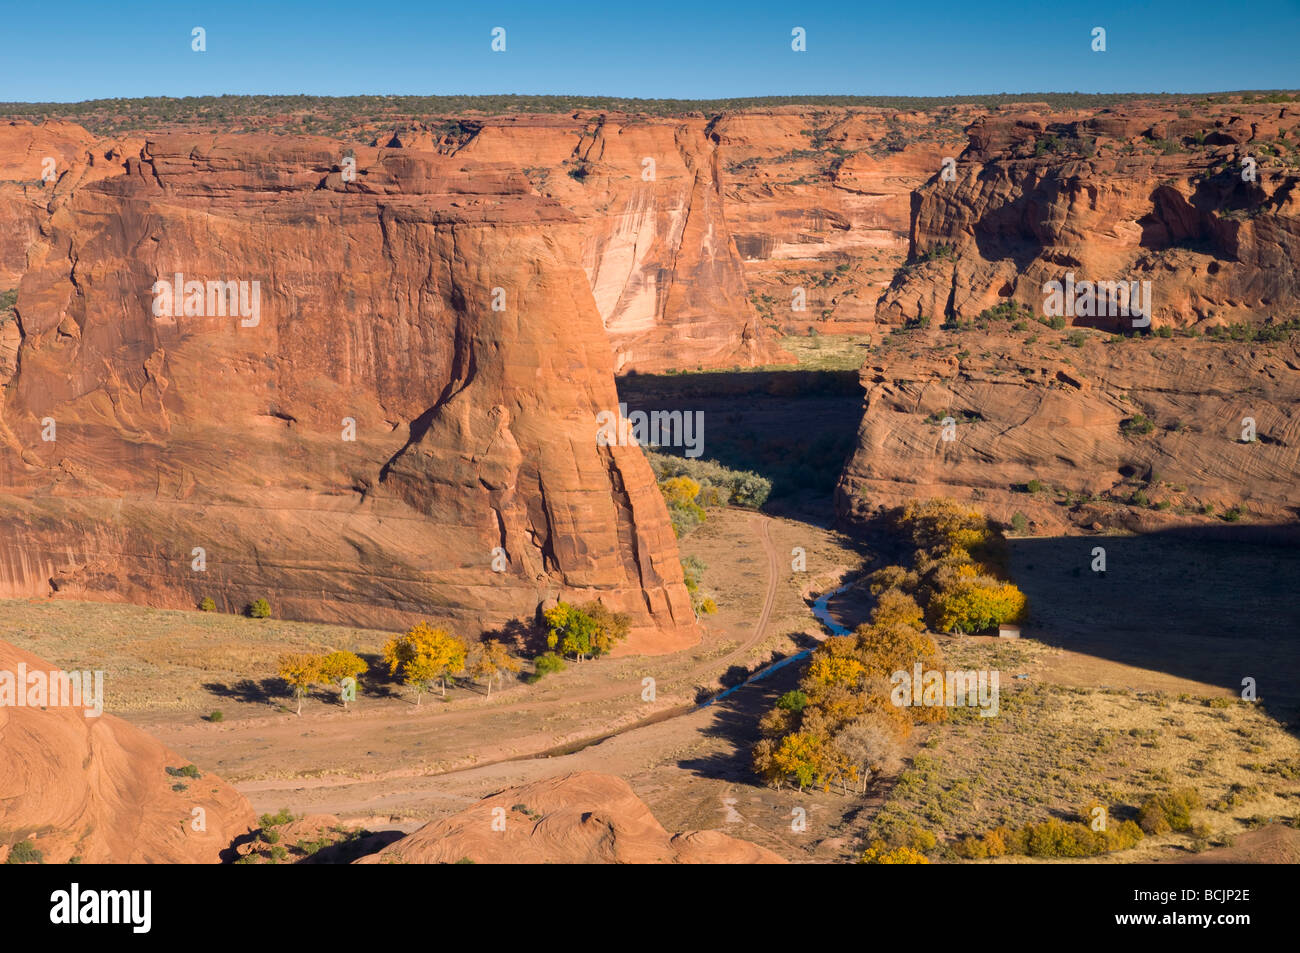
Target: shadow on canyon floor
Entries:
(796, 428)
(1214, 606)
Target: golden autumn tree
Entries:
(301, 671)
(337, 667)
(976, 604)
(490, 661)
(423, 655)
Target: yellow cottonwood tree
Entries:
(301, 671)
(491, 661)
(425, 654)
(338, 666)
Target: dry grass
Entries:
(159, 659)
(828, 352)
(1052, 749)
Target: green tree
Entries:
(584, 631)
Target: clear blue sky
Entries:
(642, 48)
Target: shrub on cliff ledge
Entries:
(260, 609)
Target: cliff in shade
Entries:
(474, 427)
(98, 789)
(582, 818)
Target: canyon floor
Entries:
(1126, 685)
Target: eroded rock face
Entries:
(820, 203)
(657, 248)
(582, 818)
(434, 309)
(1071, 419)
(1202, 208)
(98, 789)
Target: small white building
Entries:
(1008, 631)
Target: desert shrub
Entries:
(693, 568)
(216, 715)
(706, 606)
(259, 609)
(881, 853)
(189, 771)
(24, 852)
(1019, 524)
(1137, 425)
(207, 605)
(545, 664)
(283, 816)
(1172, 810)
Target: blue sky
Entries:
(642, 48)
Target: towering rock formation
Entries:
(407, 396)
(657, 247)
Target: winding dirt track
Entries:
(338, 795)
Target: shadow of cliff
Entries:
(1213, 604)
(796, 428)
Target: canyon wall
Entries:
(414, 400)
(1190, 418)
(1203, 208)
(1139, 434)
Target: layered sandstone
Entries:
(698, 229)
(657, 248)
(1070, 418)
(1204, 208)
(435, 309)
(98, 789)
(582, 818)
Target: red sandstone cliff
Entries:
(474, 427)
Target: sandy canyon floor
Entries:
(1124, 685)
